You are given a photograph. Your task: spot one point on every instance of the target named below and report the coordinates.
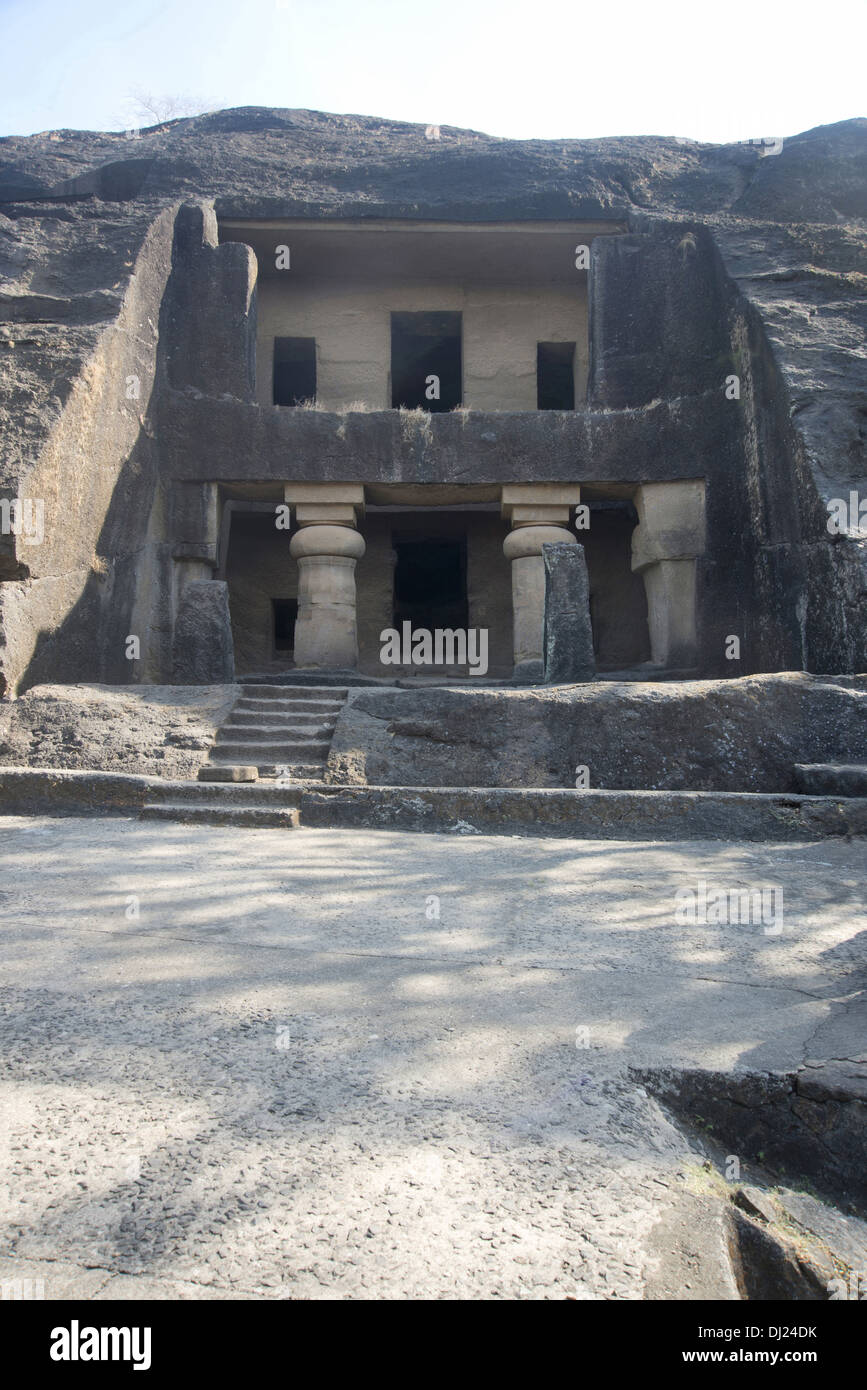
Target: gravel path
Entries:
(341, 1064)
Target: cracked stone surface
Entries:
(249, 1063)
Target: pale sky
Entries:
(735, 70)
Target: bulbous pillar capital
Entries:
(528, 540)
(327, 540)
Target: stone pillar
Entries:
(534, 511)
(202, 650)
(326, 546)
(195, 524)
(665, 547)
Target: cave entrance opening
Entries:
(430, 583)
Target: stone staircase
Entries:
(283, 730)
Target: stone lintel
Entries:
(563, 496)
(345, 494)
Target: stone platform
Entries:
(554, 812)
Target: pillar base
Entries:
(529, 672)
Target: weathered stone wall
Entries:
(352, 328)
(92, 463)
(737, 735)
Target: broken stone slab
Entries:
(567, 642)
(233, 773)
(152, 730)
(512, 738)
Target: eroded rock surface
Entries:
(165, 731)
(739, 735)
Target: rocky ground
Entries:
(157, 730)
(372, 1064)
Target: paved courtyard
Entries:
(343, 1064)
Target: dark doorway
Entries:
(430, 583)
(425, 346)
(555, 376)
(294, 370)
(285, 613)
(618, 604)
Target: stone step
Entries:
(294, 733)
(262, 794)
(298, 676)
(831, 779)
(284, 750)
(585, 815)
(227, 772)
(296, 717)
(291, 692)
(221, 813)
(317, 708)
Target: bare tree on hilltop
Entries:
(149, 109)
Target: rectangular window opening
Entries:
(426, 361)
(555, 376)
(294, 371)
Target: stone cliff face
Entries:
(732, 262)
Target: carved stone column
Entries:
(534, 511)
(665, 546)
(202, 647)
(326, 547)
